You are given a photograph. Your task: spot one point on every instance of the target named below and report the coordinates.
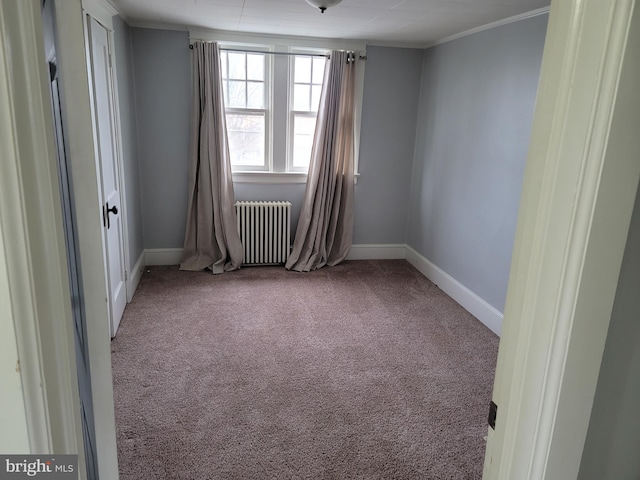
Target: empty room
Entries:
(361, 368)
(324, 238)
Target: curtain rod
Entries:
(362, 57)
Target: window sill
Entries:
(269, 177)
(274, 178)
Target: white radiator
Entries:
(265, 230)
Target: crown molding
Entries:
(212, 35)
(489, 26)
(158, 26)
(102, 10)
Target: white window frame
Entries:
(279, 126)
(267, 110)
(291, 111)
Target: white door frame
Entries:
(578, 195)
(577, 94)
(34, 255)
(72, 66)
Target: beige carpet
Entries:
(361, 371)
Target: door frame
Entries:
(574, 24)
(45, 398)
(578, 196)
(70, 19)
(33, 243)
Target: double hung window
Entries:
(271, 105)
(245, 81)
(308, 75)
(272, 88)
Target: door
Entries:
(104, 119)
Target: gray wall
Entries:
(124, 69)
(162, 89)
(387, 140)
(475, 115)
(612, 446)
(449, 188)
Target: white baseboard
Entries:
(171, 256)
(377, 252)
(471, 302)
(162, 256)
(135, 275)
(476, 306)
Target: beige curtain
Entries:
(325, 228)
(211, 240)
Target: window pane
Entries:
(223, 64)
(318, 69)
(246, 139)
(303, 131)
(237, 95)
(302, 70)
(255, 67)
(225, 92)
(316, 91)
(255, 95)
(301, 97)
(236, 66)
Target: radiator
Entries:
(265, 230)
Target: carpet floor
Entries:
(362, 371)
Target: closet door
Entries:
(104, 130)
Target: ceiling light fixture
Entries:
(322, 5)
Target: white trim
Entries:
(13, 414)
(489, 26)
(172, 256)
(12, 222)
(578, 193)
(102, 10)
(274, 178)
(135, 275)
(72, 65)
(476, 306)
(197, 33)
(162, 256)
(154, 25)
(33, 237)
(377, 252)
(279, 178)
(224, 36)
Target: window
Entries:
(245, 84)
(271, 138)
(308, 75)
(271, 100)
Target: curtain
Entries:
(325, 227)
(211, 239)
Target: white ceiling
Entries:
(416, 23)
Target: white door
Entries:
(100, 61)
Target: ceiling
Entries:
(416, 23)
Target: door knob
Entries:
(107, 211)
